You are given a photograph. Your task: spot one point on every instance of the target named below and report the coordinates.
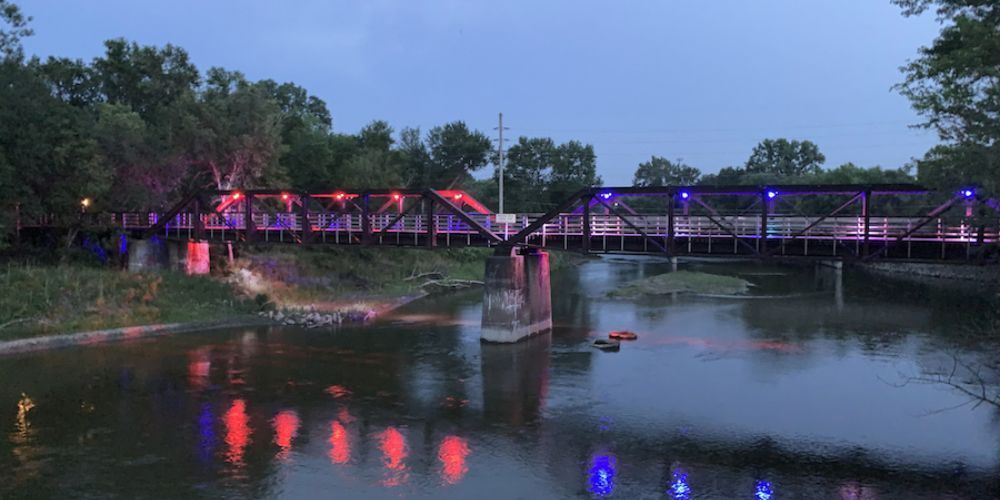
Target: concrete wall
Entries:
(517, 297)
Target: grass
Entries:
(681, 282)
(39, 299)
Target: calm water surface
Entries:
(805, 390)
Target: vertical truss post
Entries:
(307, 233)
(248, 223)
(866, 214)
(670, 222)
(586, 222)
(366, 221)
(196, 220)
(762, 241)
(431, 226)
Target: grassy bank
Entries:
(39, 299)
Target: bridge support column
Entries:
(148, 255)
(155, 254)
(517, 297)
(190, 257)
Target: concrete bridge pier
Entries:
(517, 296)
(156, 254)
(830, 274)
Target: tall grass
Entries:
(39, 299)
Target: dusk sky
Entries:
(701, 81)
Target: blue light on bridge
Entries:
(968, 193)
(602, 475)
(685, 195)
(606, 195)
(771, 194)
(679, 487)
(763, 490)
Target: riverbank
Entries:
(311, 284)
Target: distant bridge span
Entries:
(830, 221)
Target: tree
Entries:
(235, 133)
(49, 160)
(574, 167)
(660, 171)
(17, 28)
(455, 152)
(526, 173)
(955, 84)
(144, 78)
(785, 158)
(416, 158)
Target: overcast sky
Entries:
(699, 80)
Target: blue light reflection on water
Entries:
(763, 491)
(679, 487)
(206, 433)
(602, 475)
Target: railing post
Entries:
(586, 222)
(248, 224)
(865, 213)
(366, 223)
(431, 226)
(197, 222)
(307, 230)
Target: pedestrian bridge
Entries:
(847, 222)
(900, 221)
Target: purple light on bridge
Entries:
(771, 194)
(685, 194)
(606, 195)
(968, 193)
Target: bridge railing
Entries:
(779, 226)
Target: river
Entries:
(806, 389)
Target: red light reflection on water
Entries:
(452, 454)
(237, 431)
(340, 443)
(393, 446)
(199, 366)
(286, 427)
(338, 391)
(855, 491)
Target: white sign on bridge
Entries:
(506, 218)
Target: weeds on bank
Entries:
(37, 299)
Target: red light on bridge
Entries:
(284, 196)
(237, 195)
(339, 196)
(458, 196)
(395, 197)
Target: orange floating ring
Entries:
(623, 335)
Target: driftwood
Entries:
(449, 284)
(431, 275)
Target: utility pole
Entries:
(500, 128)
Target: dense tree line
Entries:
(135, 127)
(138, 126)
